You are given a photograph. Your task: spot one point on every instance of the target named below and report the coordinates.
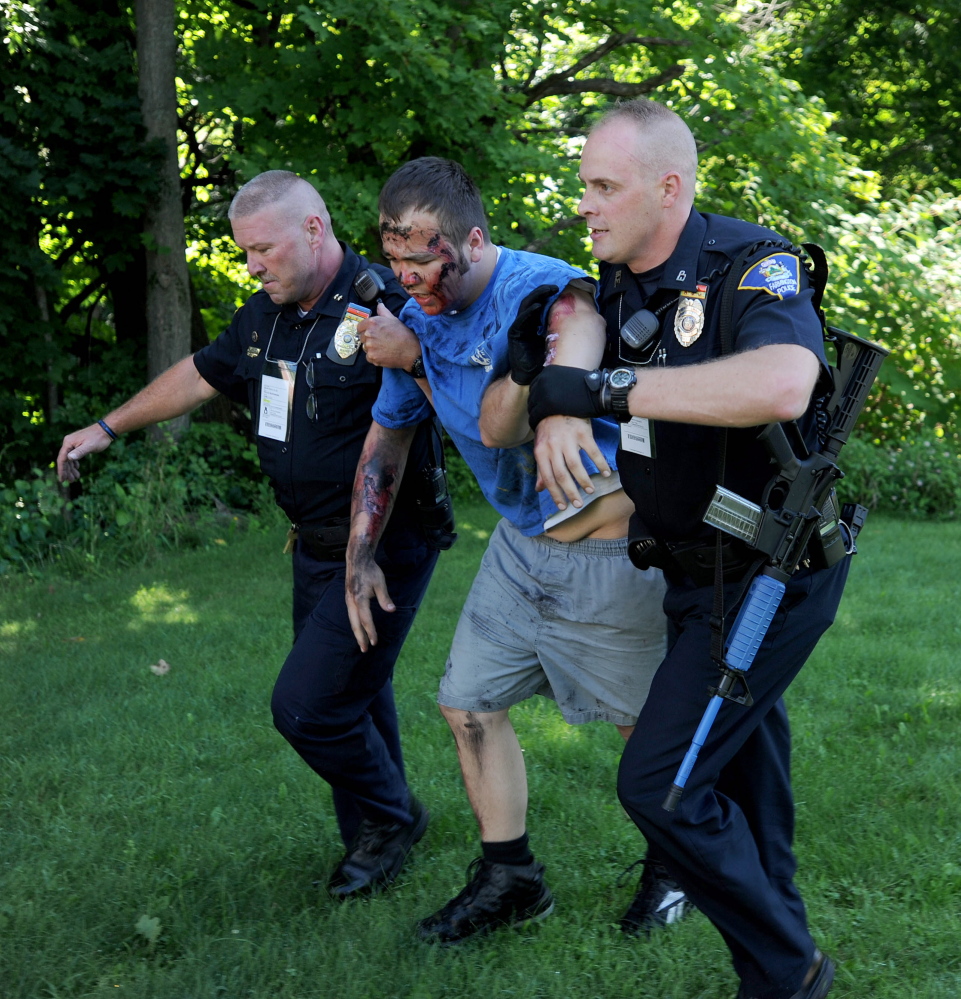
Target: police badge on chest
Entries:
(346, 340)
(689, 318)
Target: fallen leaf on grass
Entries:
(78, 638)
(160, 667)
(149, 928)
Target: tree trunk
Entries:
(168, 289)
(50, 403)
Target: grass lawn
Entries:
(158, 839)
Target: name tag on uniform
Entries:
(276, 399)
(637, 436)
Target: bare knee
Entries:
(473, 728)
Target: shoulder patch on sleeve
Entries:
(778, 274)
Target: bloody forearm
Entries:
(379, 473)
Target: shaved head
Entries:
(639, 169)
(283, 226)
(285, 194)
(664, 141)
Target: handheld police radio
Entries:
(369, 285)
(792, 515)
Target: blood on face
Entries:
(429, 266)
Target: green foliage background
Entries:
(834, 122)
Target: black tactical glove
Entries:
(526, 345)
(566, 392)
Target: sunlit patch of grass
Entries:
(160, 604)
(17, 629)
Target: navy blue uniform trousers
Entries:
(335, 704)
(729, 842)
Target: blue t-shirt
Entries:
(463, 353)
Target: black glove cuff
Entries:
(526, 344)
(562, 391)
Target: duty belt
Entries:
(692, 558)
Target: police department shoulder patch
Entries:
(778, 274)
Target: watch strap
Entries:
(619, 404)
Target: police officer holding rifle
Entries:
(692, 383)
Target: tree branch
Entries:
(189, 182)
(522, 135)
(602, 85)
(534, 64)
(555, 83)
(74, 304)
(65, 254)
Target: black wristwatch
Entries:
(619, 383)
(416, 370)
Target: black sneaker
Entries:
(377, 854)
(659, 901)
(496, 895)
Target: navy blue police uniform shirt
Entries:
(773, 305)
(312, 472)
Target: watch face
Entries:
(621, 378)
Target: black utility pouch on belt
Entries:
(327, 542)
(691, 558)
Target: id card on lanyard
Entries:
(277, 391)
(277, 399)
(637, 436)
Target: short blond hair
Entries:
(280, 190)
(672, 145)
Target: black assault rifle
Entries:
(797, 502)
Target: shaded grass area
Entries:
(125, 795)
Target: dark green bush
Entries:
(138, 496)
(921, 479)
(460, 479)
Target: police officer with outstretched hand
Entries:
(691, 384)
(294, 354)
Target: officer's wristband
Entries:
(563, 391)
(103, 426)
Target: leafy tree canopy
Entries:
(889, 69)
(344, 91)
